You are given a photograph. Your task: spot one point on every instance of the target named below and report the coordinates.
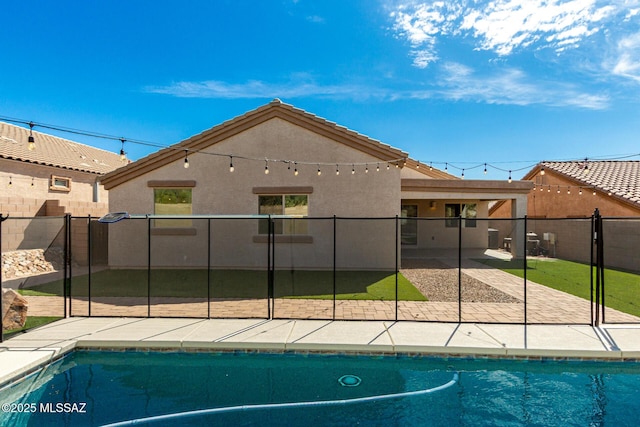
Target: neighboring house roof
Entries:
(619, 178)
(54, 151)
(274, 109)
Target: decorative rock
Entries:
(30, 262)
(14, 310)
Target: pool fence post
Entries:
(65, 294)
(89, 262)
(460, 268)
(598, 238)
(269, 262)
(148, 266)
(334, 267)
(602, 281)
(396, 272)
(591, 265)
(524, 274)
(70, 265)
(2, 219)
(208, 268)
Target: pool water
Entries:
(111, 387)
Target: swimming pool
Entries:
(92, 388)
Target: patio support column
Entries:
(518, 211)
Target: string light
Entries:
(462, 173)
(378, 167)
(353, 169)
(319, 171)
(366, 169)
(580, 192)
(231, 168)
(568, 190)
(32, 142)
(396, 162)
(266, 167)
(509, 177)
(558, 189)
(186, 160)
(337, 170)
(123, 155)
(295, 169)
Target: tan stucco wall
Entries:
(434, 234)
(27, 200)
(551, 204)
(220, 192)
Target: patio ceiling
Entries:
(461, 189)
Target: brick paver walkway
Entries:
(544, 305)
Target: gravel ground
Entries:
(439, 282)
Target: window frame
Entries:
(66, 187)
(292, 229)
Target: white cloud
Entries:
(258, 89)
(510, 87)
(627, 62)
(455, 82)
(501, 26)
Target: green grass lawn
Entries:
(362, 285)
(622, 290)
(30, 323)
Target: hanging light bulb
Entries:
(387, 166)
(568, 190)
(123, 155)
(430, 166)
(580, 192)
(231, 168)
(542, 170)
(462, 174)
(186, 160)
(558, 189)
(594, 191)
(509, 177)
(266, 167)
(446, 166)
(485, 168)
(319, 171)
(586, 166)
(366, 169)
(32, 183)
(378, 167)
(418, 165)
(32, 142)
(337, 170)
(541, 188)
(295, 168)
(10, 181)
(353, 169)
(549, 189)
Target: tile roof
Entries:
(54, 151)
(620, 178)
(274, 109)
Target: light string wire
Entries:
(395, 162)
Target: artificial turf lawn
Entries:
(30, 323)
(351, 285)
(622, 289)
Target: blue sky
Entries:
(503, 82)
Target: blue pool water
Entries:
(90, 388)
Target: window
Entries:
(294, 206)
(60, 183)
(468, 211)
(172, 201)
(408, 225)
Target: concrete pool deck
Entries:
(23, 353)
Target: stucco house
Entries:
(53, 176)
(43, 175)
(563, 199)
(281, 160)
